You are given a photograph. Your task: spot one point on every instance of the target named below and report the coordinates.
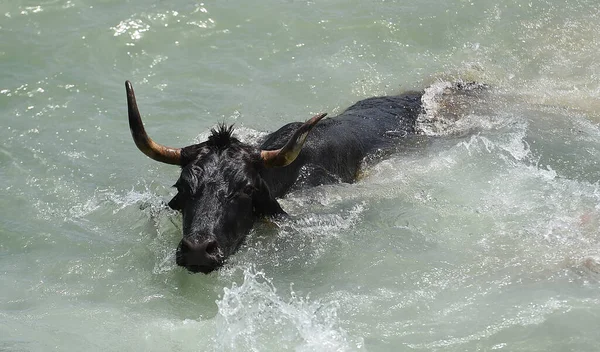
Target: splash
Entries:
(116, 201)
(255, 316)
(449, 109)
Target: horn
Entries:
(291, 150)
(144, 143)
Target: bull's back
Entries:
(373, 119)
(336, 146)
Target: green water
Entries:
(483, 237)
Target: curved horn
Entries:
(144, 143)
(291, 150)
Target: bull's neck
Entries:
(280, 180)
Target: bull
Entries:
(226, 185)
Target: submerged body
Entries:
(336, 146)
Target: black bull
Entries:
(226, 185)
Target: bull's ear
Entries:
(263, 202)
(175, 203)
(291, 150)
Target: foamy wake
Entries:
(451, 108)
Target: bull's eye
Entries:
(248, 190)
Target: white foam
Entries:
(456, 108)
(255, 316)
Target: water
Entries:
(483, 235)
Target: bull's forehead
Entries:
(223, 163)
(218, 170)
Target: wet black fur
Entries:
(336, 146)
(224, 187)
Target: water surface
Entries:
(483, 235)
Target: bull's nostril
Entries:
(212, 247)
(199, 257)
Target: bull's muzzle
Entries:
(199, 257)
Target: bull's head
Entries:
(220, 191)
